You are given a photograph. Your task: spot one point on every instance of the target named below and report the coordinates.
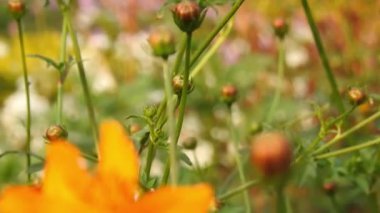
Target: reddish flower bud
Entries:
(188, 15)
(162, 42)
(229, 94)
(271, 154)
(56, 132)
(280, 27)
(17, 8)
(329, 188)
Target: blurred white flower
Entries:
(296, 55)
(204, 154)
(13, 117)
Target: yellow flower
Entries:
(112, 188)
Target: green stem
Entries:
(215, 32)
(323, 56)
(82, 74)
(322, 131)
(281, 200)
(239, 164)
(179, 57)
(11, 152)
(221, 38)
(334, 204)
(349, 149)
(62, 71)
(348, 132)
(171, 123)
(150, 158)
(280, 77)
(89, 157)
(27, 92)
(197, 166)
(237, 190)
(182, 103)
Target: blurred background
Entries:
(124, 77)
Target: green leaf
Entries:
(363, 183)
(36, 167)
(49, 61)
(183, 157)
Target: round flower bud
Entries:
(150, 111)
(187, 15)
(17, 8)
(271, 154)
(229, 94)
(255, 128)
(356, 96)
(162, 42)
(329, 188)
(367, 107)
(178, 82)
(56, 132)
(190, 143)
(280, 27)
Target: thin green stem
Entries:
(322, 54)
(27, 94)
(237, 190)
(82, 74)
(182, 103)
(89, 157)
(281, 200)
(62, 71)
(334, 204)
(348, 132)
(171, 122)
(280, 77)
(221, 38)
(239, 164)
(179, 57)
(150, 158)
(322, 132)
(349, 149)
(215, 32)
(12, 152)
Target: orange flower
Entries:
(68, 187)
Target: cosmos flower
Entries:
(68, 186)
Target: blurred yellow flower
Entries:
(68, 186)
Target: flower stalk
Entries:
(323, 56)
(238, 161)
(82, 74)
(27, 94)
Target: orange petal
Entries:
(118, 157)
(20, 199)
(185, 199)
(65, 176)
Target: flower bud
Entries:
(329, 188)
(17, 8)
(56, 132)
(271, 154)
(356, 96)
(280, 27)
(255, 128)
(229, 94)
(188, 15)
(162, 42)
(178, 83)
(150, 111)
(367, 107)
(190, 143)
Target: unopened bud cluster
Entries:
(162, 42)
(17, 8)
(280, 27)
(56, 132)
